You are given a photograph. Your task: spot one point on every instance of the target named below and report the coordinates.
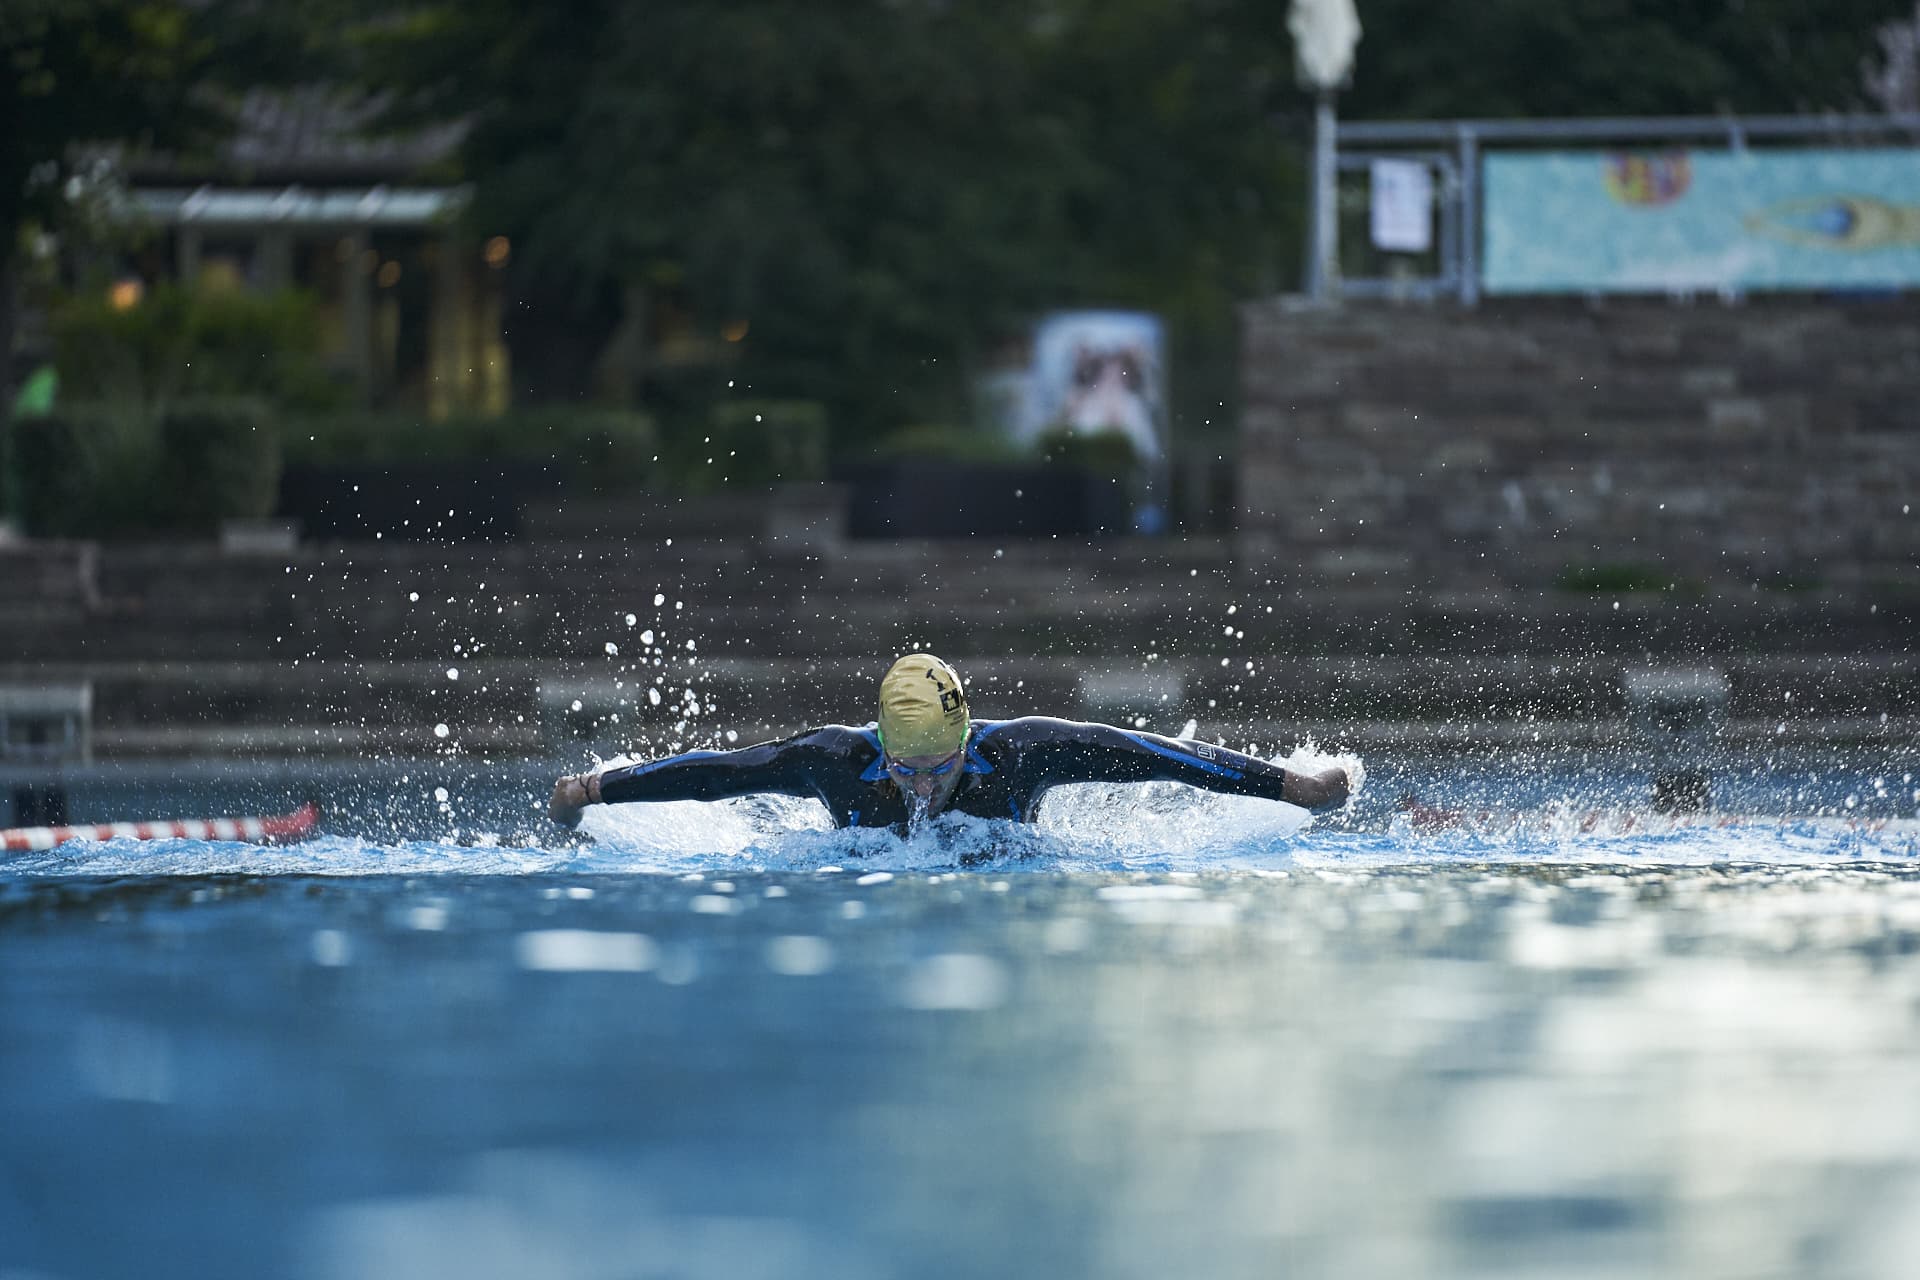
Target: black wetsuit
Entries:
(1009, 765)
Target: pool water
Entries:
(1497, 1020)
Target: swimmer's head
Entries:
(923, 709)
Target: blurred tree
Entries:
(74, 72)
(1518, 58)
(1197, 199)
(855, 203)
(77, 76)
(860, 201)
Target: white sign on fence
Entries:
(1402, 206)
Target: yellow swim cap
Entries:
(923, 710)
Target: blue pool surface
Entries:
(1498, 1019)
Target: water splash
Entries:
(1530, 815)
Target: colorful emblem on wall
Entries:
(1639, 178)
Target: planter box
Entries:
(412, 501)
(930, 498)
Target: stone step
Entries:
(510, 704)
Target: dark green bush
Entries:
(183, 342)
(1106, 453)
(599, 450)
(51, 470)
(98, 472)
(219, 459)
(950, 444)
(743, 445)
(756, 444)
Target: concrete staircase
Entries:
(352, 650)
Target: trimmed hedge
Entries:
(596, 450)
(98, 472)
(748, 445)
(184, 342)
(949, 444)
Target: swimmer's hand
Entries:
(572, 794)
(1325, 789)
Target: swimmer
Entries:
(926, 755)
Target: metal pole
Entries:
(1324, 267)
(1469, 216)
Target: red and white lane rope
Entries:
(287, 826)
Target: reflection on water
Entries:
(1445, 1069)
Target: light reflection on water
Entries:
(1340, 1066)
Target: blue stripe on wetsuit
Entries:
(877, 771)
(1184, 757)
(977, 763)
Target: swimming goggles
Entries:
(899, 770)
(946, 766)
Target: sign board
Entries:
(1402, 206)
(1684, 221)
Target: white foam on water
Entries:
(1160, 827)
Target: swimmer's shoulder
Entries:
(1025, 731)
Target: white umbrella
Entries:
(1324, 35)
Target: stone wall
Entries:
(1521, 443)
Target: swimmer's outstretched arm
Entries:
(791, 766)
(1067, 751)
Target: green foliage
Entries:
(883, 190)
(90, 71)
(886, 191)
(601, 450)
(949, 444)
(51, 478)
(756, 444)
(74, 72)
(219, 459)
(182, 341)
(1106, 453)
(94, 472)
(1518, 58)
